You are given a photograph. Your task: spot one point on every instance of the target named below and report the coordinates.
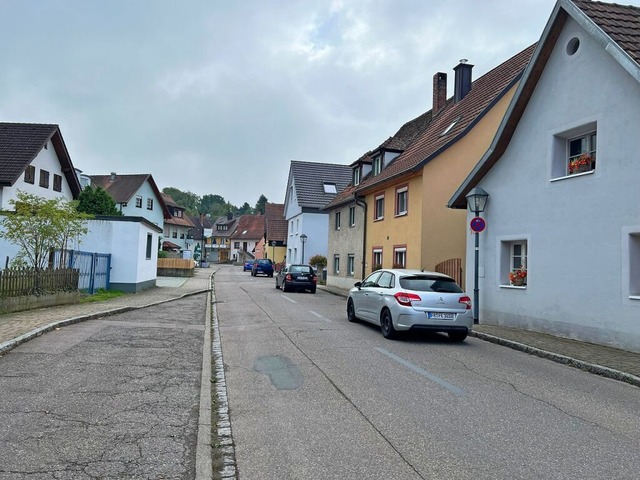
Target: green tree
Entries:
(318, 261)
(260, 204)
(190, 201)
(39, 225)
(245, 209)
(96, 201)
(215, 205)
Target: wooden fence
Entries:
(28, 281)
(453, 268)
(180, 263)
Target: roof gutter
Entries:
(361, 203)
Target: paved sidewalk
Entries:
(609, 362)
(16, 328)
(19, 327)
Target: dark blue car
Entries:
(248, 266)
(262, 266)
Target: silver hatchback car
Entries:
(402, 300)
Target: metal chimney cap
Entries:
(463, 60)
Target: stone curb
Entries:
(556, 357)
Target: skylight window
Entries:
(330, 188)
(448, 129)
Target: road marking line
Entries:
(287, 298)
(319, 316)
(443, 383)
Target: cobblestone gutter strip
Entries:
(572, 362)
(223, 449)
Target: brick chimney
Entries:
(439, 92)
(463, 80)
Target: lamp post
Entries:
(303, 239)
(476, 201)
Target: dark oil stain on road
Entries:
(284, 375)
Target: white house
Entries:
(33, 159)
(136, 195)
(310, 187)
(563, 182)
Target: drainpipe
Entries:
(361, 203)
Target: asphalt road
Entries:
(312, 396)
(110, 398)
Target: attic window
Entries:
(330, 188)
(573, 46)
(448, 129)
(244, 232)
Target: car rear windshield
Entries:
(264, 262)
(425, 283)
(300, 269)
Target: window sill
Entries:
(378, 219)
(513, 287)
(634, 297)
(401, 214)
(573, 175)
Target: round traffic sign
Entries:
(478, 224)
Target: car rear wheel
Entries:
(284, 287)
(457, 336)
(386, 325)
(351, 311)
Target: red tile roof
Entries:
(249, 227)
(463, 115)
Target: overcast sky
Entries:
(218, 96)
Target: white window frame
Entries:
(351, 264)
(505, 259)
(377, 165)
(560, 149)
(402, 192)
(378, 213)
(376, 258)
(400, 253)
(338, 220)
(631, 263)
(352, 216)
(138, 201)
(336, 264)
(356, 176)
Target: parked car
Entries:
(262, 266)
(248, 266)
(297, 277)
(402, 300)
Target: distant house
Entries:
(201, 234)
(222, 229)
(563, 180)
(310, 187)
(248, 234)
(275, 232)
(34, 159)
(178, 226)
(136, 195)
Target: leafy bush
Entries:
(318, 261)
(163, 254)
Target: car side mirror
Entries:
(357, 284)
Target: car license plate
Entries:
(441, 315)
(302, 277)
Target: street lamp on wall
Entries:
(303, 240)
(476, 202)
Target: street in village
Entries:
(310, 396)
